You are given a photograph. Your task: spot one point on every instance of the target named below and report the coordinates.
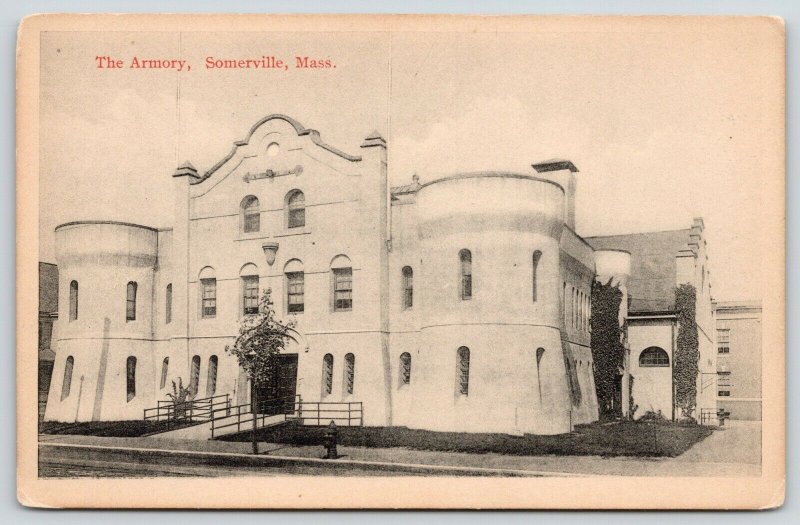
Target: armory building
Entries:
(458, 304)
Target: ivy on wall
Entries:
(608, 350)
(687, 355)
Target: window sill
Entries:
(290, 232)
(255, 236)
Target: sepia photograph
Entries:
(478, 252)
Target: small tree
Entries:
(261, 338)
(179, 396)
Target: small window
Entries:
(67, 384)
(73, 300)
(164, 370)
(131, 378)
(724, 393)
(724, 341)
(209, 290)
(463, 371)
(295, 292)
(349, 373)
(168, 304)
(211, 379)
(194, 376)
(465, 256)
(653, 356)
(251, 214)
(327, 375)
(408, 287)
(130, 311)
(405, 368)
(342, 289)
(250, 294)
(537, 255)
(296, 204)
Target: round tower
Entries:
(490, 349)
(103, 368)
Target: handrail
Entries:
(310, 411)
(188, 411)
(261, 416)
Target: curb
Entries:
(232, 459)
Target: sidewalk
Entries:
(732, 451)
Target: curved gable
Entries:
(261, 129)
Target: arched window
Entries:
(164, 370)
(539, 356)
(131, 377)
(73, 300)
(296, 204)
(342, 284)
(465, 256)
(463, 371)
(537, 255)
(67, 384)
(295, 287)
(168, 305)
(251, 214)
(211, 379)
(130, 310)
(194, 376)
(327, 375)
(405, 368)
(653, 356)
(349, 373)
(249, 276)
(208, 293)
(408, 287)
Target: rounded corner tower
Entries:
(105, 330)
(490, 355)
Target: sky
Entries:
(664, 126)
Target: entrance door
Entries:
(279, 398)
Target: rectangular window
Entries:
(168, 305)
(130, 311)
(209, 290)
(250, 294)
(342, 289)
(723, 379)
(724, 393)
(724, 341)
(295, 289)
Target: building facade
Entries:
(458, 304)
(739, 358)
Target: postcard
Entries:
(400, 262)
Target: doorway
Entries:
(278, 398)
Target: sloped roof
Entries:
(651, 287)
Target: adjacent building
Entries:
(739, 358)
(660, 262)
(48, 313)
(456, 304)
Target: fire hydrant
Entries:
(331, 434)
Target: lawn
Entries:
(618, 438)
(107, 428)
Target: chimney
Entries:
(562, 172)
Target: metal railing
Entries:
(241, 416)
(190, 411)
(319, 413)
(713, 416)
